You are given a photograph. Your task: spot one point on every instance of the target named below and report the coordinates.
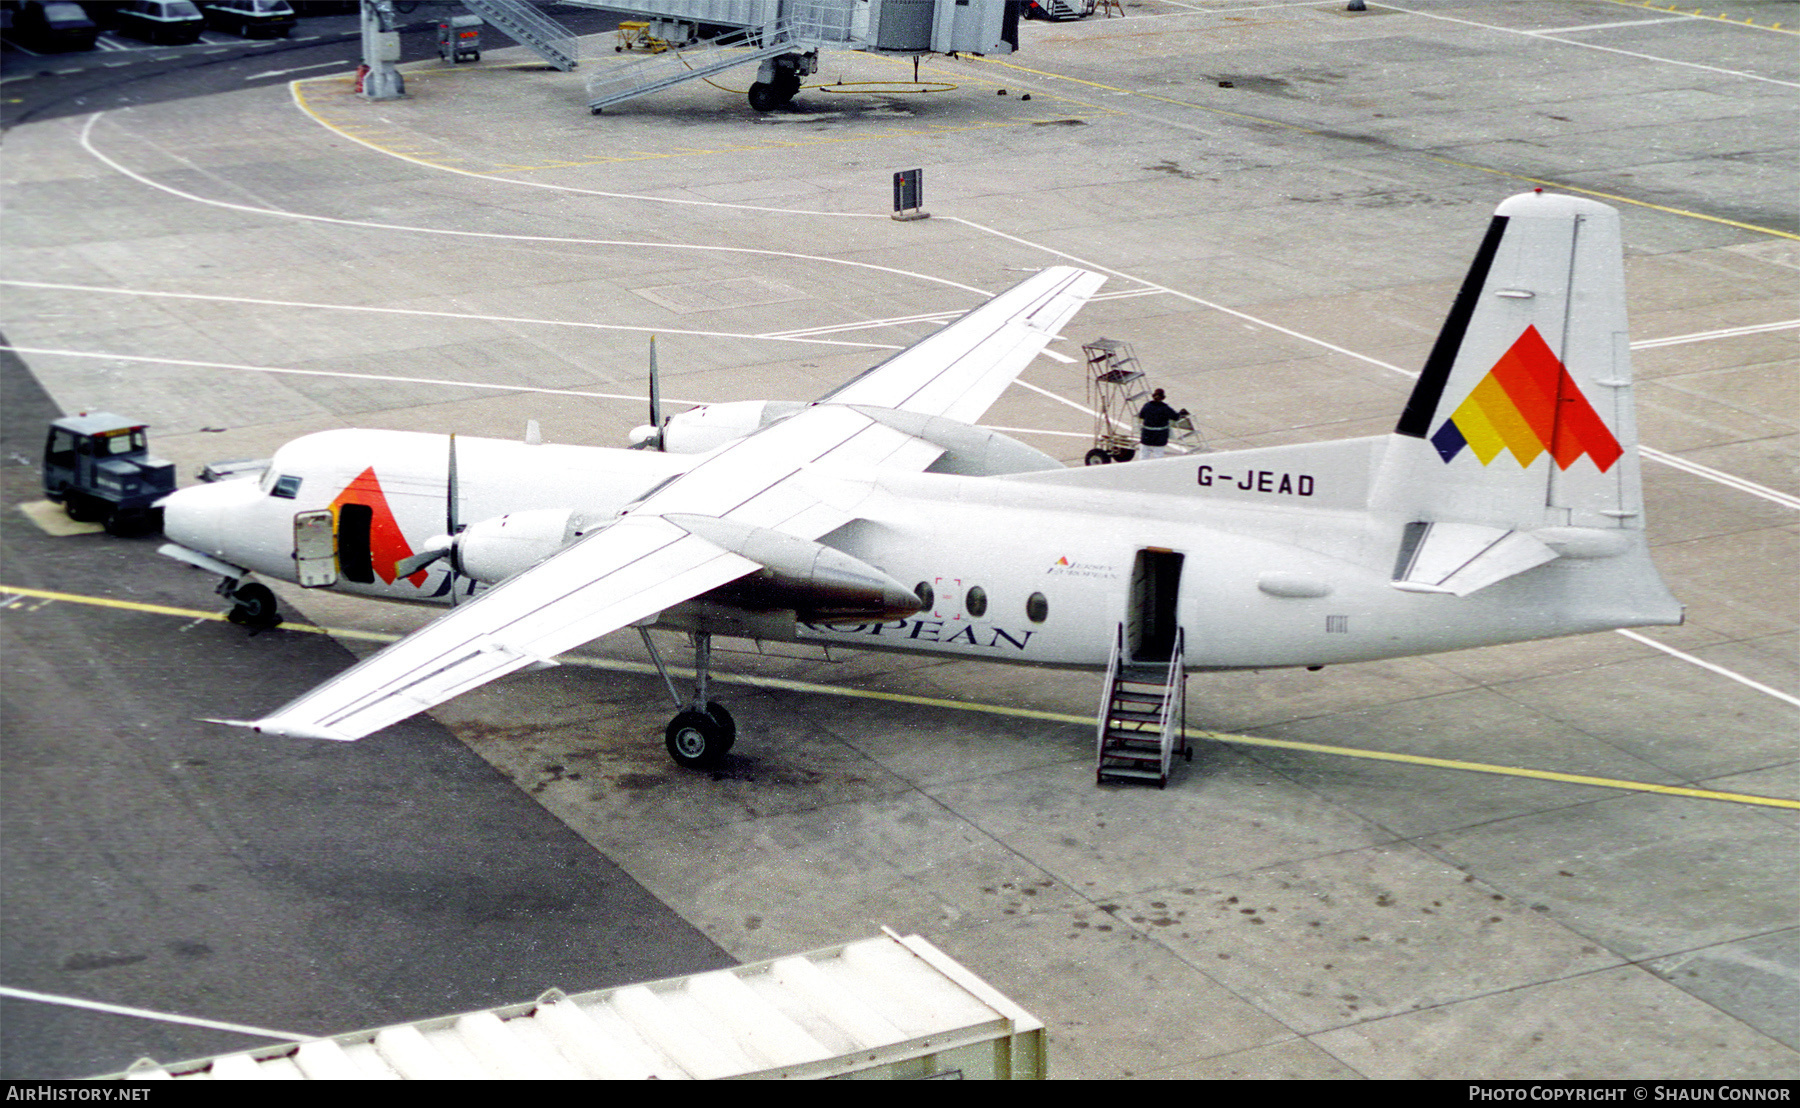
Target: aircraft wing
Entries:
(961, 370)
(644, 563)
(611, 579)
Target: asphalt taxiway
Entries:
(1568, 858)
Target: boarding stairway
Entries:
(1142, 723)
(689, 63)
(794, 28)
(524, 24)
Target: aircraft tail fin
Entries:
(1523, 418)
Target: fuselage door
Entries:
(315, 549)
(1151, 616)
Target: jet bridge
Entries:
(783, 38)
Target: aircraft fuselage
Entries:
(1260, 567)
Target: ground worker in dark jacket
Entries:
(1156, 417)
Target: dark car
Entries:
(250, 18)
(54, 26)
(175, 22)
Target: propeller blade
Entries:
(451, 494)
(655, 395)
(452, 523)
(406, 567)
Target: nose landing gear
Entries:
(252, 605)
(702, 732)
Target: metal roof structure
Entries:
(890, 1006)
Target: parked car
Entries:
(54, 26)
(174, 22)
(250, 18)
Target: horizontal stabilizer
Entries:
(1463, 558)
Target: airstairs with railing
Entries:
(676, 66)
(527, 26)
(1142, 723)
(784, 47)
(783, 38)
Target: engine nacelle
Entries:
(817, 583)
(497, 548)
(711, 426)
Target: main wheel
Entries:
(1097, 457)
(254, 606)
(696, 740)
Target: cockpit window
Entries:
(287, 487)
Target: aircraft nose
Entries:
(194, 516)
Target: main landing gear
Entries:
(702, 732)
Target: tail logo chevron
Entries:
(1528, 404)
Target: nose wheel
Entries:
(703, 732)
(252, 605)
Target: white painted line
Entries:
(145, 1013)
(1082, 408)
(1604, 49)
(1786, 500)
(1610, 26)
(446, 315)
(299, 69)
(1152, 287)
(335, 373)
(1038, 431)
(88, 145)
(864, 324)
(1718, 669)
(1723, 333)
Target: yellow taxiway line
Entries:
(11, 598)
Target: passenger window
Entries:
(1037, 609)
(975, 603)
(287, 487)
(927, 597)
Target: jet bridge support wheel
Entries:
(698, 740)
(765, 98)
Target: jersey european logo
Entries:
(1528, 404)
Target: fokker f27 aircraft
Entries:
(1505, 506)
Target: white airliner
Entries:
(1505, 506)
